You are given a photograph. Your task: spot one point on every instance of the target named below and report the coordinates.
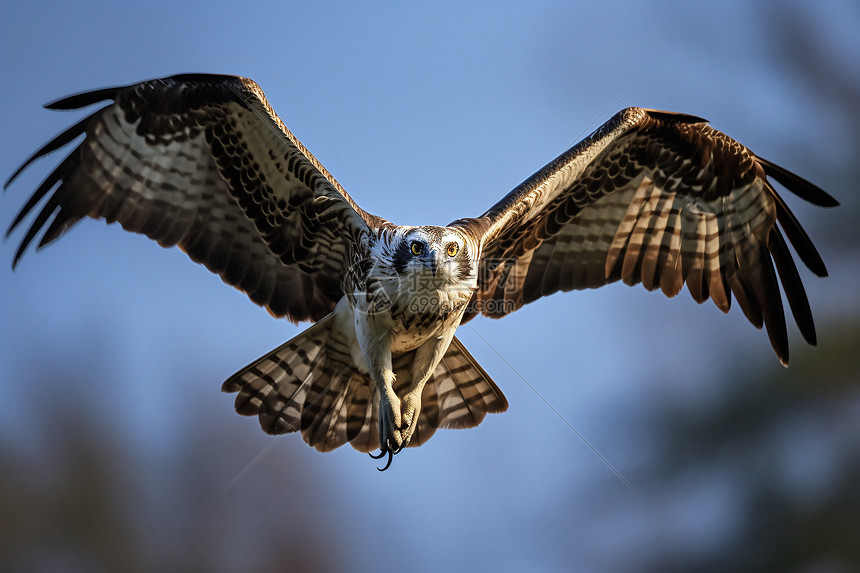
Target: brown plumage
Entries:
(660, 199)
(204, 163)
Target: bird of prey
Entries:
(203, 162)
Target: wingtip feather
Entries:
(798, 185)
(798, 238)
(83, 99)
(795, 293)
(59, 141)
(675, 116)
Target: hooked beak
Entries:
(431, 264)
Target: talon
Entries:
(396, 450)
(382, 453)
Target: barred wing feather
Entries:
(660, 199)
(203, 162)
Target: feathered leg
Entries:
(427, 357)
(374, 339)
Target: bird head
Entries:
(438, 254)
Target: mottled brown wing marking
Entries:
(204, 163)
(654, 198)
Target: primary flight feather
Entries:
(204, 163)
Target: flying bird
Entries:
(204, 163)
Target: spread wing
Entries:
(655, 198)
(203, 162)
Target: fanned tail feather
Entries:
(311, 384)
(458, 395)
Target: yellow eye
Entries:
(453, 249)
(417, 248)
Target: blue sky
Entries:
(424, 113)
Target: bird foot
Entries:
(391, 438)
(410, 409)
(382, 452)
(387, 449)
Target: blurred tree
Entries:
(74, 499)
(790, 443)
(802, 46)
(788, 439)
(766, 475)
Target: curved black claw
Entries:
(378, 456)
(382, 452)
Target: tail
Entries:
(311, 384)
(458, 395)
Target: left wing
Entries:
(656, 198)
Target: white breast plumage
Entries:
(204, 163)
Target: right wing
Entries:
(203, 162)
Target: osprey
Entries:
(203, 162)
